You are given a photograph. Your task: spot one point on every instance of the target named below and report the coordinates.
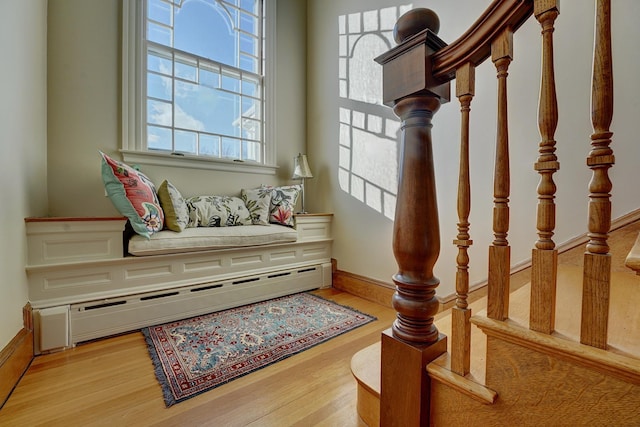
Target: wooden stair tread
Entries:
(365, 364)
(365, 367)
(633, 258)
(624, 318)
(624, 322)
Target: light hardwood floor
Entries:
(111, 382)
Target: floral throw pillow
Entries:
(176, 214)
(217, 211)
(283, 202)
(134, 195)
(258, 202)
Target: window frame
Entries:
(134, 100)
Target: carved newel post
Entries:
(413, 340)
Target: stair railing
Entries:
(416, 77)
(490, 36)
(597, 260)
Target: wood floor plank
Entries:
(111, 382)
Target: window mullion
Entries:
(191, 88)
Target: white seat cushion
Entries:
(207, 238)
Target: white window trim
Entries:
(133, 96)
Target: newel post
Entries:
(413, 340)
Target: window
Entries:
(194, 83)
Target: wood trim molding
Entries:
(16, 357)
(381, 292)
(370, 289)
(74, 218)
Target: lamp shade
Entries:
(301, 167)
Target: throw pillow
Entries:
(258, 202)
(217, 211)
(176, 214)
(283, 203)
(134, 195)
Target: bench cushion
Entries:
(207, 238)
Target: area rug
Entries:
(195, 355)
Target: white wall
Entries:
(61, 103)
(84, 75)
(22, 147)
(363, 225)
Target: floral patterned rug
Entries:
(195, 355)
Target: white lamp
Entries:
(301, 171)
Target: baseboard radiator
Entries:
(64, 326)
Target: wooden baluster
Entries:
(500, 251)
(597, 260)
(545, 255)
(461, 314)
(413, 340)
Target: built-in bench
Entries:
(85, 284)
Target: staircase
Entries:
(575, 376)
(564, 348)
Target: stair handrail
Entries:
(474, 46)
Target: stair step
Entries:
(624, 323)
(365, 367)
(624, 317)
(633, 258)
(365, 364)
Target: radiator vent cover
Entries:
(101, 318)
(54, 327)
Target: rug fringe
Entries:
(162, 378)
(342, 305)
